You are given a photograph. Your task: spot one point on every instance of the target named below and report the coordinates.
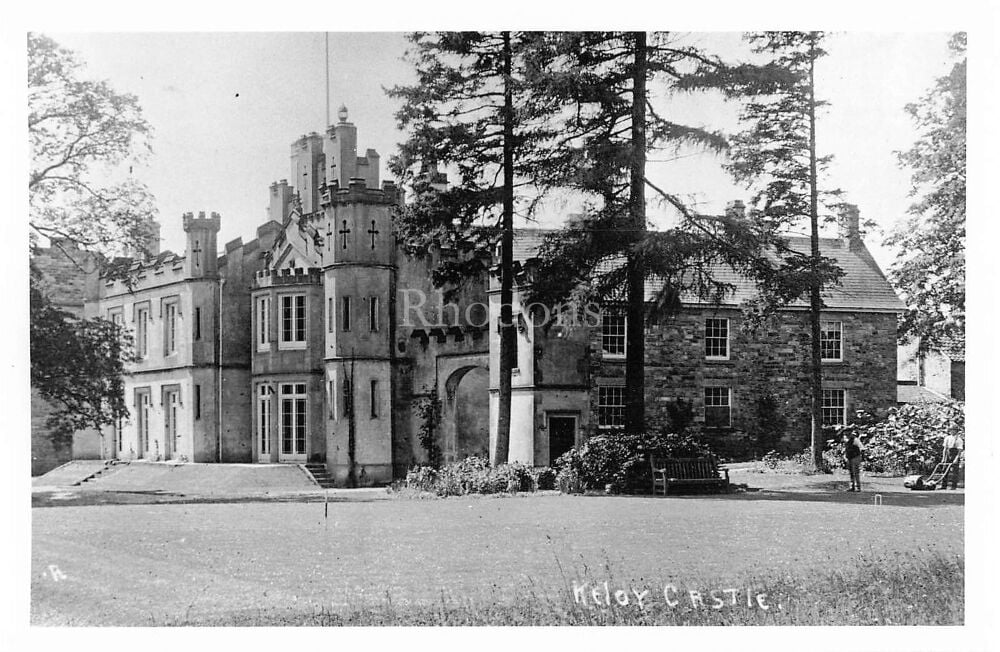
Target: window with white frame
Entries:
(293, 418)
(834, 407)
(142, 332)
(263, 313)
(718, 407)
(264, 420)
(373, 314)
(293, 321)
(611, 406)
(613, 333)
(717, 339)
(170, 328)
(831, 340)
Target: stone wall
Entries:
(774, 360)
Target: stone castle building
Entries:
(316, 341)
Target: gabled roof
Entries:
(863, 285)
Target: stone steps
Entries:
(319, 474)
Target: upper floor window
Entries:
(142, 332)
(345, 313)
(197, 323)
(831, 340)
(611, 407)
(116, 317)
(718, 407)
(170, 328)
(293, 321)
(373, 314)
(717, 339)
(373, 396)
(613, 334)
(262, 311)
(834, 407)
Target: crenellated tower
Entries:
(200, 256)
(359, 285)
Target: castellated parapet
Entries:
(358, 191)
(297, 276)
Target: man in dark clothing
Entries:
(852, 452)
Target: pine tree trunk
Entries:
(501, 449)
(635, 400)
(815, 299)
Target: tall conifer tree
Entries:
(776, 154)
(606, 83)
(471, 110)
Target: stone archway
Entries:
(466, 413)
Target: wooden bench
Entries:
(690, 471)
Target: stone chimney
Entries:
(736, 209)
(308, 160)
(280, 201)
(850, 225)
(343, 159)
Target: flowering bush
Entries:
(620, 461)
(474, 475)
(909, 438)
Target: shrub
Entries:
(474, 475)
(621, 460)
(909, 437)
(545, 478)
(771, 460)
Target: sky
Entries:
(225, 108)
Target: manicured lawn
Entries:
(154, 564)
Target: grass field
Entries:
(500, 559)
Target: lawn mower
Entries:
(930, 482)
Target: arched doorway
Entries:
(466, 418)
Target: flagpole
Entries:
(326, 67)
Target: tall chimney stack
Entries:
(850, 224)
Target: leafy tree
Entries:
(930, 267)
(462, 113)
(776, 154)
(602, 80)
(76, 365)
(80, 131)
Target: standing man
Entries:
(852, 452)
(953, 447)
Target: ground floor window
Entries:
(293, 418)
(834, 407)
(611, 407)
(718, 407)
(142, 410)
(264, 420)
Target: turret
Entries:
(280, 201)
(200, 258)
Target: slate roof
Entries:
(863, 285)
